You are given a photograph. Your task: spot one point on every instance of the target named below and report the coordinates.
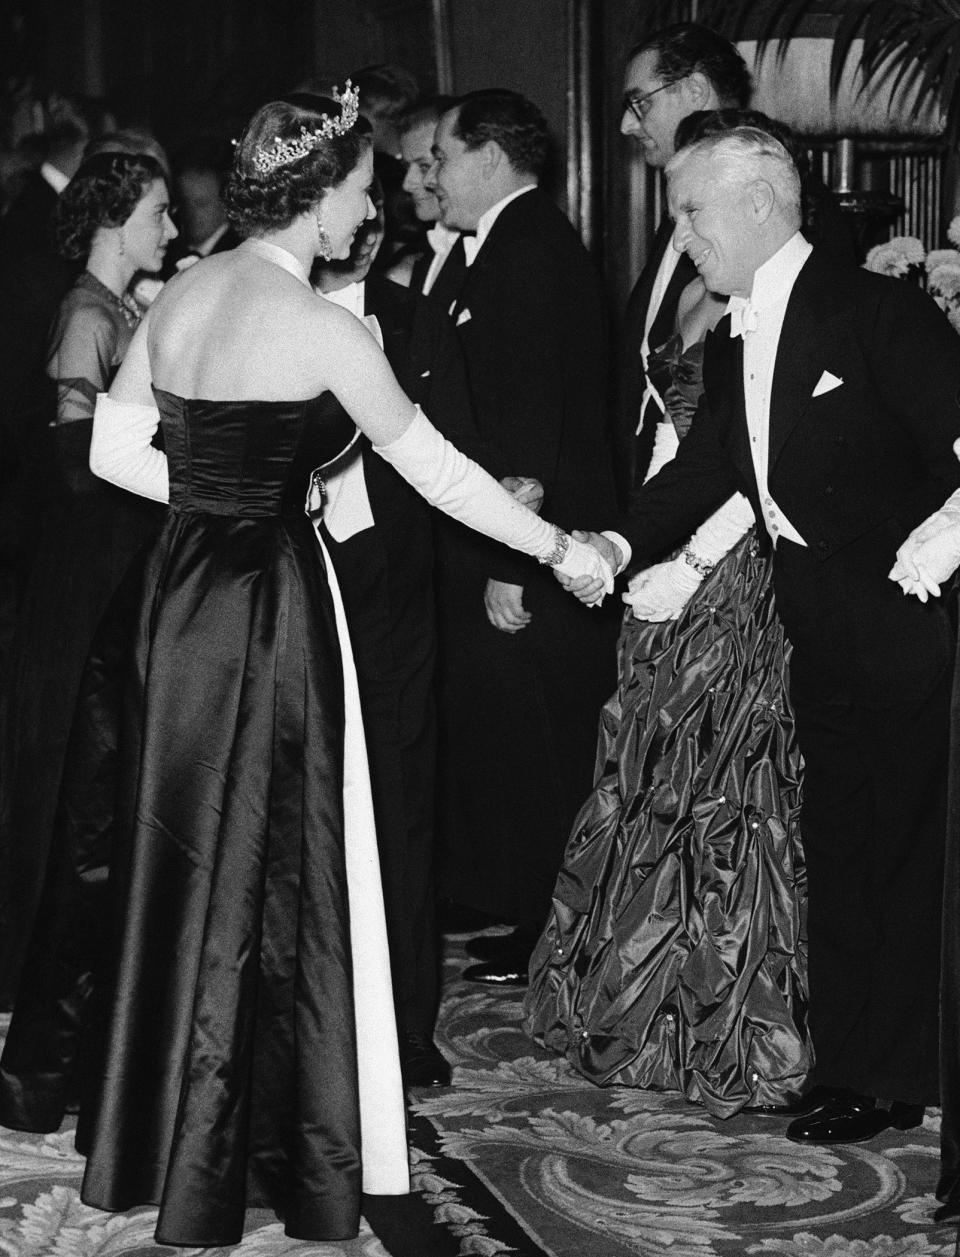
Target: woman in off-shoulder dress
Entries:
(674, 957)
(213, 979)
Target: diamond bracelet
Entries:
(560, 548)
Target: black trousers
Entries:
(873, 822)
(388, 597)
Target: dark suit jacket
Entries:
(632, 450)
(529, 318)
(854, 469)
(25, 228)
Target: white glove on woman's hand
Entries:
(662, 591)
(120, 449)
(931, 553)
(583, 559)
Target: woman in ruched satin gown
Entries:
(209, 978)
(114, 215)
(673, 958)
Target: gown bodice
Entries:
(677, 374)
(248, 458)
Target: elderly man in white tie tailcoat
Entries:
(832, 400)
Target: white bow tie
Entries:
(743, 316)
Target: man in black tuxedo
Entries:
(832, 401)
(523, 678)
(677, 71)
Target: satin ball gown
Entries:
(209, 978)
(674, 956)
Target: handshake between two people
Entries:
(587, 569)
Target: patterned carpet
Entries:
(522, 1157)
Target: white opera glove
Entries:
(460, 488)
(120, 449)
(661, 592)
(665, 445)
(931, 553)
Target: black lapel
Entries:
(803, 349)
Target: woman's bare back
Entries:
(236, 326)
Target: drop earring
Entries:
(326, 248)
(122, 246)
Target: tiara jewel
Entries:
(282, 152)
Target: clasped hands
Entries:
(589, 567)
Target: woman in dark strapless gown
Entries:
(89, 531)
(673, 958)
(210, 978)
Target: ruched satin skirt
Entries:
(674, 954)
(209, 978)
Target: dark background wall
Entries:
(183, 66)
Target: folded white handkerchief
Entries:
(463, 317)
(826, 382)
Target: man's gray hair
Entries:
(746, 154)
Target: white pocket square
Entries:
(826, 382)
(463, 317)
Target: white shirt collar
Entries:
(441, 239)
(351, 297)
(473, 244)
(774, 280)
(56, 178)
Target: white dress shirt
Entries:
(772, 286)
(441, 240)
(473, 244)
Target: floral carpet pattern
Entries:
(522, 1157)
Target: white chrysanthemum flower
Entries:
(953, 231)
(896, 256)
(937, 257)
(944, 279)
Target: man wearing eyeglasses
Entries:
(671, 74)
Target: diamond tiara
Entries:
(282, 152)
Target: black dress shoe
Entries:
(905, 1116)
(497, 973)
(797, 1106)
(844, 1119)
(421, 1062)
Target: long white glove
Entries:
(120, 449)
(459, 487)
(662, 591)
(931, 553)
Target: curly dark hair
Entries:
(508, 118)
(263, 202)
(103, 193)
(686, 47)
